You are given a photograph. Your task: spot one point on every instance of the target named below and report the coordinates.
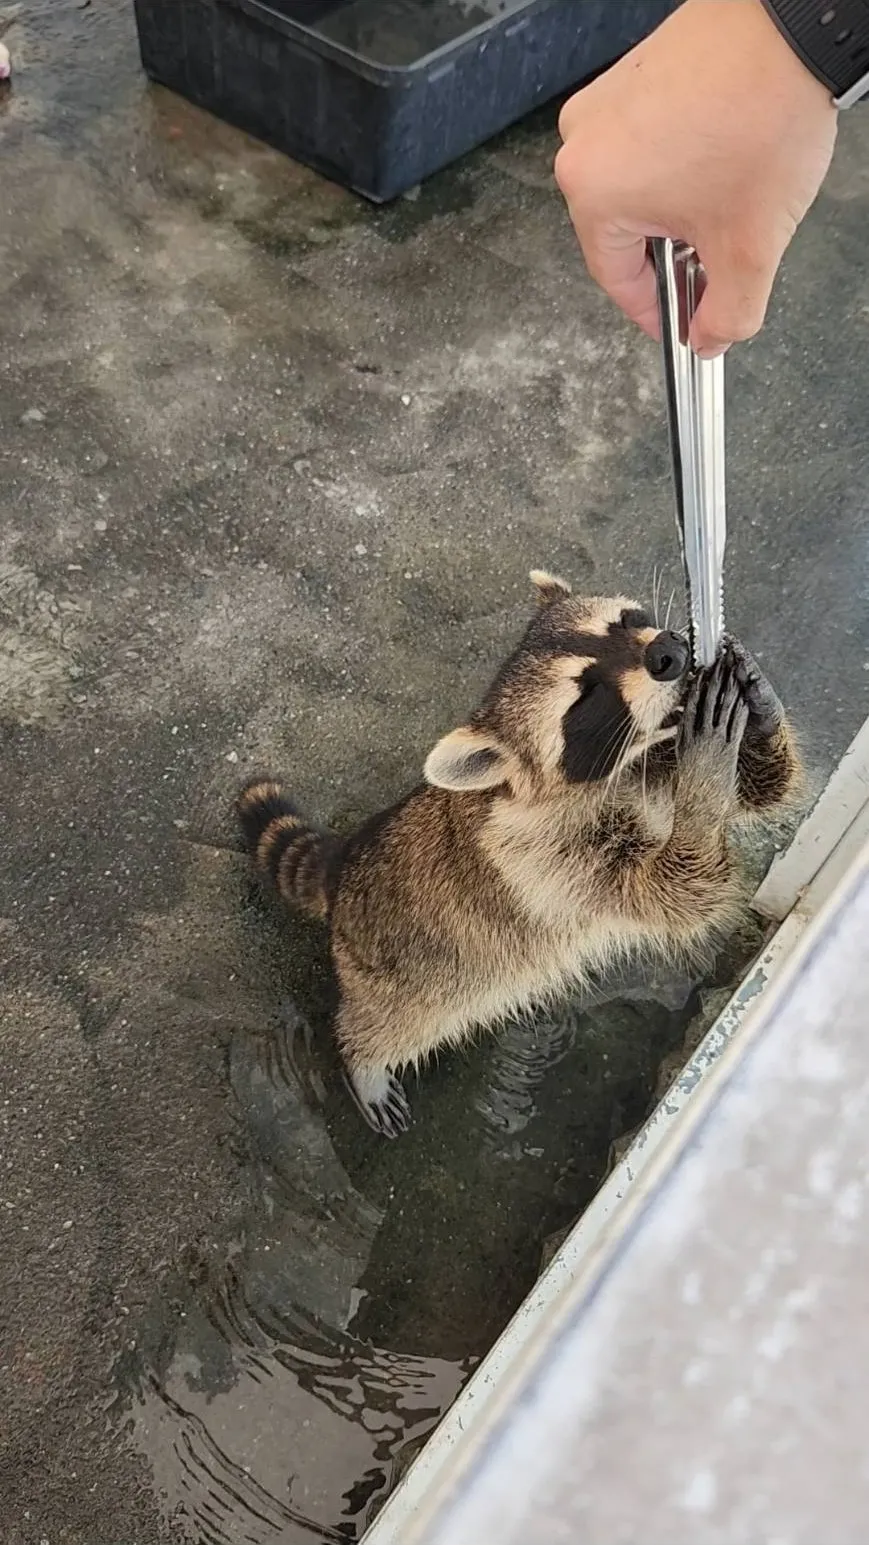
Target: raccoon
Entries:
(581, 813)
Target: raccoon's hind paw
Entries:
(381, 1099)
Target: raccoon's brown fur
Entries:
(580, 813)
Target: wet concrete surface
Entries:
(273, 468)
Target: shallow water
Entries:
(282, 1392)
(264, 1413)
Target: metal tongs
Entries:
(695, 407)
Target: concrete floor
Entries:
(274, 468)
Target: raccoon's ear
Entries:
(467, 759)
(548, 586)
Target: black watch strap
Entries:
(832, 39)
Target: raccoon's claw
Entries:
(381, 1100)
(710, 734)
(765, 712)
(715, 708)
(394, 1115)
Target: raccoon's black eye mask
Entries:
(596, 729)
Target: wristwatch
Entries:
(832, 39)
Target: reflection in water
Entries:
(286, 1394)
(296, 1436)
(396, 32)
(525, 1054)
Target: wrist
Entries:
(744, 39)
(830, 38)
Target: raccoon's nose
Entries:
(666, 657)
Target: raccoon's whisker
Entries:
(669, 608)
(613, 788)
(604, 750)
(621, 762)
(613, 738)
(632, 735)
(623, 731)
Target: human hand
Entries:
(713, 132)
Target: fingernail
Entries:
(714, 351)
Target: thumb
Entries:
(619, 261)
(734, 302)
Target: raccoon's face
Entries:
(592, 685)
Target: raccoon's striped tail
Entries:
(297, 860)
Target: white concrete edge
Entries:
(839, 805)
(501, 1366)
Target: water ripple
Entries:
(268, 1419)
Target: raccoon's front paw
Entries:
(711, 729)
(380, 1098)
(765, 712)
